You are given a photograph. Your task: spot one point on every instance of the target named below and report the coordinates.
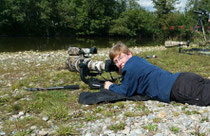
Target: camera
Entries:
(79, 61)
(203, 12)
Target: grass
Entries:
(28, 69)
(66, 131)
(174, 129)
(117, 126)
(151, 127)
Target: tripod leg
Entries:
(194, 28)
(204, 36)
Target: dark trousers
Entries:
(192, 89)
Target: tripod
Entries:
(199, 21)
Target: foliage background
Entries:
(97, 18)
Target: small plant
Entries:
(108, 113)
(130, 114)
(66, 131)
(116, 127)
(23, 133)
(176, 114)
(58, 112)
(175, 104)
(197, 132)
(121, 105)
(161, 105)
(157, 120)
(3, 100)
(151, 127)
(195, 112)
(99, 109)
(174, 129)
(21, 126)
(184, 107)
(205, 120)
(188, 112)
(90, 117)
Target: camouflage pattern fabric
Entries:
(73, 62)
(74, 51)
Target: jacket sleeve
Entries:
(129, 84)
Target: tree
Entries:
(163, 9)
(94, 16)
(134, 22)
(12, 15)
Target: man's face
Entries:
(121, 59)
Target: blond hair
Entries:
(118, 48)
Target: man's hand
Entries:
(107, 84)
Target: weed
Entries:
(151, 127)
(143, 109)
(15, 108)
(3, 100)
(90, 117)
(58, 112)
(197, 132)
(175, 104)
(130, 114)
(116, 127)
(204, 120)
(188, 113)
(22, 126)
(98, 109)
(157, 120)
(176, 114)
(161, 105)
(66, 131)
(184, 107)
(77, 115)
(121, 105)
(191, 112)
(174, 129)
(195, 112)
(108, 113)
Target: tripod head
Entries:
(202, 12)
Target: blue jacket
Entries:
(141, 77)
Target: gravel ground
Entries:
(157, 118)
(164, 120)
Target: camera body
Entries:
(202, 12)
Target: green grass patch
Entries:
(151, 127)
(66, 131)
(117, 127)
(174, 129)
(23, 126)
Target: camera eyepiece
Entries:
(202, 12)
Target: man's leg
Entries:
(207, 81)
(206, 92)
(192, 89)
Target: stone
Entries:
(45, 118)
(162, 114)
(126, 130)
(43, 132)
